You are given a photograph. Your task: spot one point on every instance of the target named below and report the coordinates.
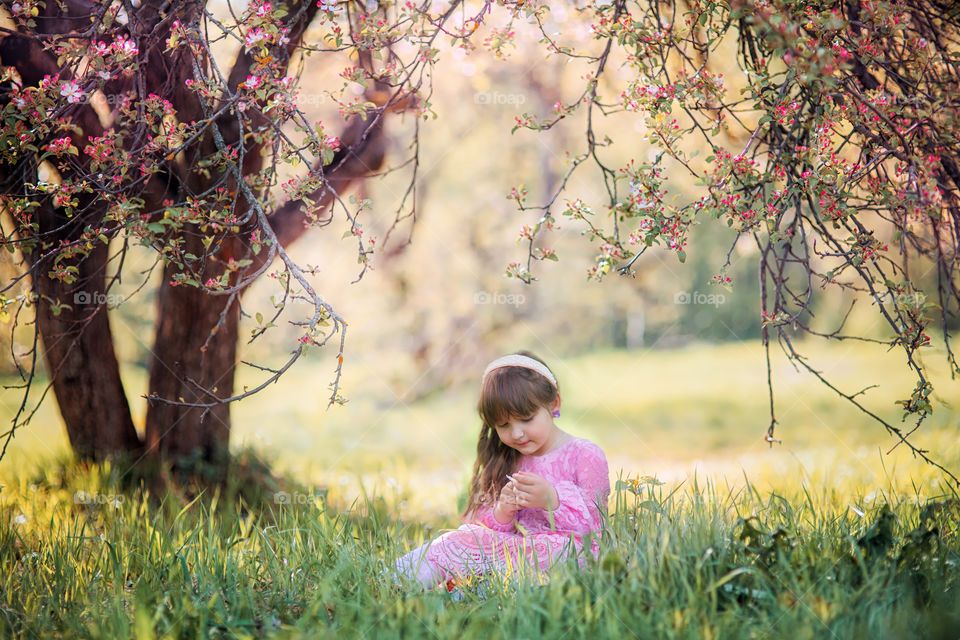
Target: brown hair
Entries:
(507, 392)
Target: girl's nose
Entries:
(517, 431)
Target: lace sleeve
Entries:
(583, 498)
(484, 515)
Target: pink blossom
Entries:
(71, 91)
(256, 36)
(61, 200)
(58, 146)
(125, 46)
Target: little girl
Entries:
(536, 490)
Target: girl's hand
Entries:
(534, 491)
(507, 504)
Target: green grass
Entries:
(698, 560)
(742, 540)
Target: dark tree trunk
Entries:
(189, 364)
(72, 318)
(194, 354)
(79, 351)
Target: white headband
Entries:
(517, 360)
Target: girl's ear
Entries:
(556, 404)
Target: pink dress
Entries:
(578, 471)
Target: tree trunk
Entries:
(71, 318)
(79, 351)
(193, 361)
(193, 357)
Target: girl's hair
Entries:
(507, 392)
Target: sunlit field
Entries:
(711, 533)
(670, 414)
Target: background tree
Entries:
(832, 149)
(124, 124)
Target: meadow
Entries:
(710, 534)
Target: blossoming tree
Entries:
(832, 148)
(169, 125)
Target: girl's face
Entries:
(532, 435)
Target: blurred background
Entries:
(664, 371)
